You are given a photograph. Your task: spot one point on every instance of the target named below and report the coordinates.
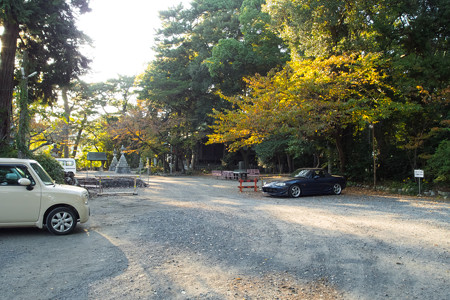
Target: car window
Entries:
(303, 173)
(319, 173)
(10, 175)
(46, 179)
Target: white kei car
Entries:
(29, 197)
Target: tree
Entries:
(115, 92)
(318, 28)
(178, 83)
(411, 35)
(256, 50)
(63, 124)
(46, 29)
(309, 99)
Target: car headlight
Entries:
(280, 184)
(85, 197)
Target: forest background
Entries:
(359, 87)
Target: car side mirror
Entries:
(25, 182)
(316, 177)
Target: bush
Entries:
(52, 166)
(439, 163)
(8, 152)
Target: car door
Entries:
(17, 203)
(320, 182)
(308, 183)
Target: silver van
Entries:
(69, 165)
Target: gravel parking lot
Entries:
(199, 238)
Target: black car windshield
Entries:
(302, 173)
(46, 179)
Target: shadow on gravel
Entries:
(38, 265)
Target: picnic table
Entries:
(237, 174)
(240, 174)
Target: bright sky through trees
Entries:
(123, 34)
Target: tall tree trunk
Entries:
(330, 161)
(66, 131)
(23, 132)
(7, 59)
(245, 153)
(289, 162)
(280, 164)
(316, 158)
(194, 157)
(78, 138)
(340, 149)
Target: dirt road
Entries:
(199, 238)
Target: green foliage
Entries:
(43, 35)
(8, 151)
(439, 164)
(268, 151)
(354, 63)
(256, 50)
(51, 39)
(52, 166)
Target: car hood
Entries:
(289, 181)
(66, 189)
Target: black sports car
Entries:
(306, 182)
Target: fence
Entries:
(254, 185)
(112, 184)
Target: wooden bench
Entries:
(227, 175)
(217, 173)
(253, 173)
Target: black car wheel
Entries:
(337, 189)
(295, 191)
(61, 220)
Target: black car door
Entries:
(321, 182)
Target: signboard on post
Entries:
(418, 173)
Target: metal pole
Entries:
(420, 179)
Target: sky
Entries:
(123, 35)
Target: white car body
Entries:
(28, 198)
(69, 165)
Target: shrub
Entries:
(8, 151)
(52, 166)
(439, 163)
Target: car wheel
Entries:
(295, 191)
(61, 220)
(337, 189)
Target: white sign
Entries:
(418, 173)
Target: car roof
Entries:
(15, 160)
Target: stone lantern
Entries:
(122, 166)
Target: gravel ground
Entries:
(199, 238)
